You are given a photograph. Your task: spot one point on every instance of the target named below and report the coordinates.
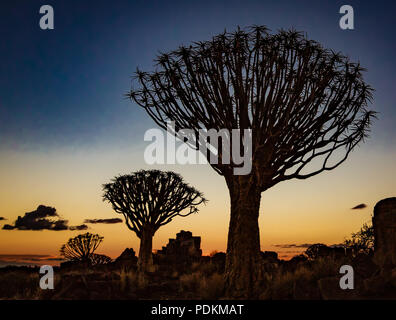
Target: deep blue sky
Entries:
(65, 87)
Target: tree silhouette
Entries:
(362, 241)
(305, 106)
(97, 259)
(316, 250)
(81, 248)
(149, 199)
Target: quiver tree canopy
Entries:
(81, 247)
(302, 102)
(305, 107)
(151, 197)
(99, 259)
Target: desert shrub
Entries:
(283, 283)
(81, 248)
(325, 267)
(201, 286)
(208, 268)
(19, 285)
(314, 251)
(280, 284)
(128, 280)
(213, 253)
(99, 259)
(362, 241)
(212, 287)
(190, 282)
(195, 266)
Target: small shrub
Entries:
(19, 285)
(212, 287)
(128, 280)
(190, 282)
(212, 254)
(207, 269)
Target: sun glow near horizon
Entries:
(296, 212)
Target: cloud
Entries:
(8, 227)
(28, 260)
(105, 221)
(359, 206)
(43, 218)
(80, 227)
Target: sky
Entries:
(66, 128)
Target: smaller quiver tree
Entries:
(149, 199)
(81, 248)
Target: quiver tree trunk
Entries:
(145, 261)
(243, 263)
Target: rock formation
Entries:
(185, 245)
(126, 259)
(384, 223)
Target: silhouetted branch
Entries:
(151, 198)
(304, 103)
(81, 247)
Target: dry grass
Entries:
(129, 280)
(190, 282)
(202, 286)
(280, 285)
(212, 287)
(207, 268)
(19, 285)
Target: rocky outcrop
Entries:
(269, 256)
(126, 259)
(185, 245)
(181, 252)
(219, 260)
(384, 223)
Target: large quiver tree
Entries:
(305, 106)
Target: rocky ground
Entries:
(298, 279)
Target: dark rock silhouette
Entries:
(364, 266)
(271, 256)
(185, 245)
(181, 252)
(219, 259)
(126, 259)
(384, 223)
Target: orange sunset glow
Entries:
(296, 212)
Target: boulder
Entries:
(181, 252)
(384, 224)
(126, 259)
(269, 256)
(219, 260)
(184, 245)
